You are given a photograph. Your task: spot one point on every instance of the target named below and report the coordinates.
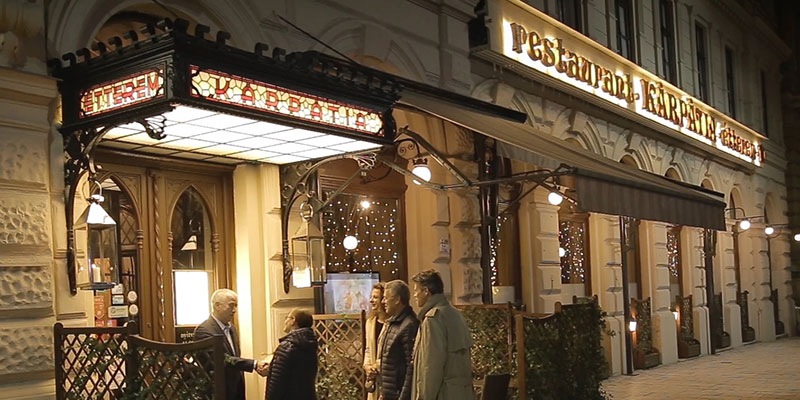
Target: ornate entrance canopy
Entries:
(184, 95)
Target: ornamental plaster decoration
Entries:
(23, 222)
(25, 288)
(473, 280)
(19, 20)
(23, 159)
(24, 350)
(470, 246)
(467, 209)
(373, 42)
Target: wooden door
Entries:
(176, 200)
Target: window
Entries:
(764, 113)
(702, 62)
(624, 13)
(668, 41)
(729, 81)
(570, 12)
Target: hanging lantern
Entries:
(99, 268)
(308, 256)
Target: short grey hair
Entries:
(219, 295)
(399, 289)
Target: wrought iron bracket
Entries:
(79, 149)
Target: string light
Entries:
(573, 262)
(373, 227)
(673, 253)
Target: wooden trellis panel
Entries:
(340, 374)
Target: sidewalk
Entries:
(761, 371)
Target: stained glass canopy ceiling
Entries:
(198, 134)
(205, 100)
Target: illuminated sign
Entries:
(539, 42)
(229, 89)
(125, 92)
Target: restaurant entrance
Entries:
(175, 238)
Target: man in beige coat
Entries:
(442, 364)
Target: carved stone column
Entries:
(541, 265)
(665, 334)
(700, 311)
(27, 208)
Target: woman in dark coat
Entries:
(293, 371)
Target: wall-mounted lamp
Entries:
(632, 325)
(555, 198)
(797, 237)
(744, 224)
(101, 254)
(421, 169)
(676, 314)
(308, 256)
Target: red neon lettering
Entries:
(222, 89)
(247, 93)
(272, 98)
(333, 109)
(316, 111)
(117, 96)
(152, 82)
(294, 104)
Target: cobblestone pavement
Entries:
(760, 371)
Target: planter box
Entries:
(688, 348)
(779, 328)
(748, 334)
(645, 361)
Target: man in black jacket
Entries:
(396, 343)
(293, 370)
(223, 306)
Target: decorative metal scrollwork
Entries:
(79, 149)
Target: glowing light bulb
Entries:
(350, 242)
(676, 315)
(365, 204)
(769, 230)
(423, 172)
(562, 252)
(632, 326)
(555, 198)
(797, 237)
(744, 224)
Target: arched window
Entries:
(192, 258)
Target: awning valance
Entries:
(602, 185)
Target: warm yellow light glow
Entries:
(769, 231)
(350, 242)
(744, 224)
(365, 204)
(632, 326)
(191, 297)
(555, 198)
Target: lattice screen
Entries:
(341, 347)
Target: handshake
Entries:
(262, 366)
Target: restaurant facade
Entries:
(281, 150)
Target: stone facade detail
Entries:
(23, 288)
(24, 222)
(25, 350)
(22, 160)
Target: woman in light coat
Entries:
(374, 324)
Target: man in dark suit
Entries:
(223, 307)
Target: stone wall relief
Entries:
(20, 22)
(25, 291)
